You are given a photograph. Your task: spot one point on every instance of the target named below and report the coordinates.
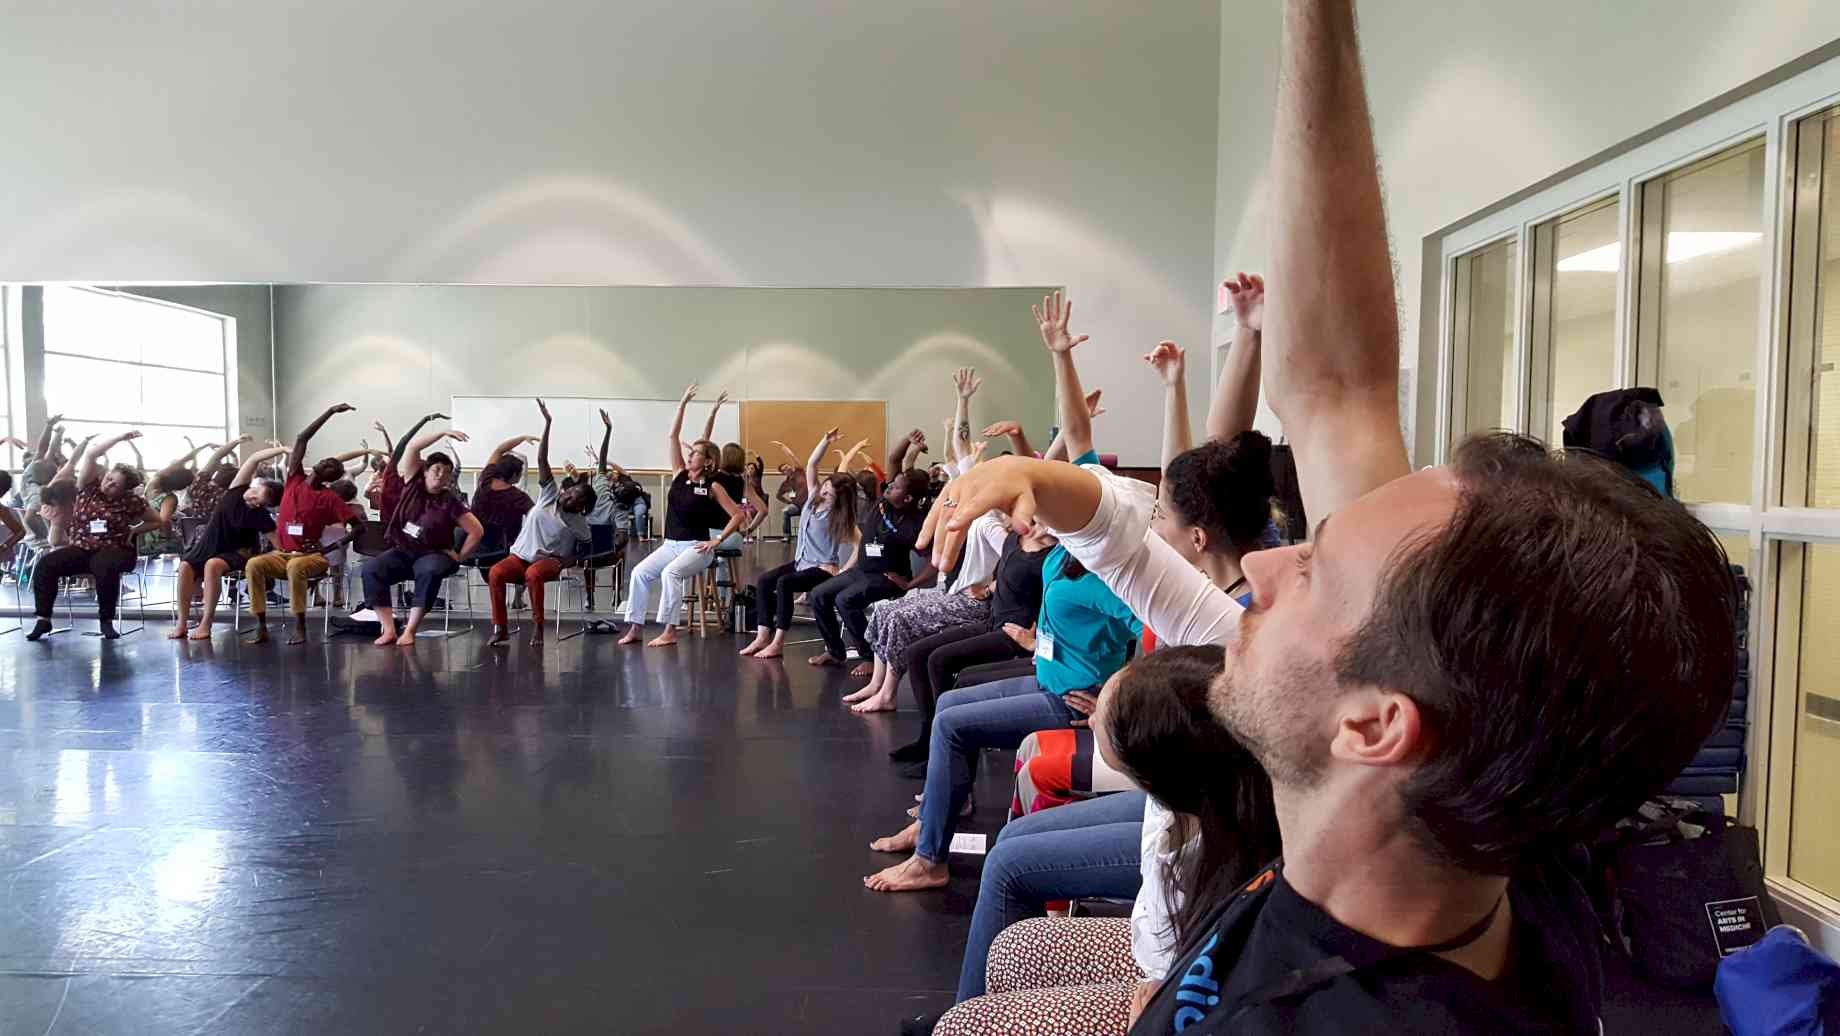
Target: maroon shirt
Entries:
(102, 524)
(501, 511)
(424, 522)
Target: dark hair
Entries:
(1225, 487)
(842, 516)
(1172, 747)
(587, 491)
(733, 459)
(59, 492)
(6, 482)
(1071, 568)
(223, 476)
(271, 490)
(918, 484)
(867, 483)
(437, 457)
(174, 478)
(510, 467)
(1569, 638)
(346, 489)
(130, 475)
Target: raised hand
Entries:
(342, 408)
(1093, 407)
(832, 436)
(544, 410)
(690, 392)
(606, 422)
(380, 429)
(1170, 360)
(1248, 294)
(917, 437)
(436, 417)
(1051, 319)
(721, 398)
(1001, 428)
(967, 381)
(457, 435)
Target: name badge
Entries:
(874, 550)
(701, 490)
(412, 530)
(1044, 646)
(98, 526)
(296, 529)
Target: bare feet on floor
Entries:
(902, 842)
(860, 694)
(665, 639)
(822, 659)
(770, 651)
(910, 875)
(863, 669)
(202, 633)
(407, 639)
(753, 647)
(178, 633)
(388, 637)
(878, 703)
(632, 636)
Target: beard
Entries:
(1275, 717)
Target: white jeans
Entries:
(677, 562)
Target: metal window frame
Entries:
(1779, 113)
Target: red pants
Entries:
(534, 575)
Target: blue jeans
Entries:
(992, 715)
(1082, 849)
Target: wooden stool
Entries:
(705, 602)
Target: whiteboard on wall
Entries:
(639, 427)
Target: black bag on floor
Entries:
(1691, 889)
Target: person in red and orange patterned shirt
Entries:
(105, 519)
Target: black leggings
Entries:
(934, 663)
(774, 591)
(105, 566)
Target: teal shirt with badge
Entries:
(1084, 633)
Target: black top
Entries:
(693, 512)
(1270, 961)
(233, 526)
(888, 539)
(1016, 595)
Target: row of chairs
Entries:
(368, 543)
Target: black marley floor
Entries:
(222, 838)
(225, 838)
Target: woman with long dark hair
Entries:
(827, 538)
(1153, 724)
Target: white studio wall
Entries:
(830, 145)
(398, 352)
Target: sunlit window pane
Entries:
(181, 397)
(92, 390)
(1708, 281)
(1587, 256)
(1810, 612)
(1490, 308)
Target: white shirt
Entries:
(1181, 606)
(983, 549)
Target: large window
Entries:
(1702, 260)
(1699, 282)
(115, 361)
(1482, 338)
(1573, 341)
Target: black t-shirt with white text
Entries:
(1270, 961)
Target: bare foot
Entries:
(753, 647)
(860, 694)
(297, 639)
(910, 875)
(632, 636)
(879, 703)
(407, 639)
(665, 639)
(902, 842)
(261, 636)
(388, 638)
(202, 633)
(822, 659)
(536, 636)
(770, 652)
(863, 669)
(178, 633)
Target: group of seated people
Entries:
(1339, 781)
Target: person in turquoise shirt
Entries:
(1082, 637)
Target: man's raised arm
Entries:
(1331, 323)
